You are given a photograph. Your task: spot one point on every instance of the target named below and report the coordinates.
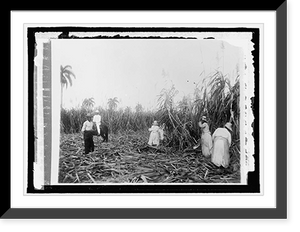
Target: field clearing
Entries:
(127, 158)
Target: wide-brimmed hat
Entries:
(96, 111)
(89, 115)
(203, 118)
(228, 125)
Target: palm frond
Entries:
(66, 67)
(66, 75)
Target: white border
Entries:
(268, 150)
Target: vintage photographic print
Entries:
(144, 109)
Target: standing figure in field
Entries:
(206, 140)
(221, 144)
(154, 135)
(88, 132)
(97, 120)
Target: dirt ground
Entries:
(126, 158)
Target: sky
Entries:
(136, 70)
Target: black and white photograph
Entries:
(149, 114)
(136, 106)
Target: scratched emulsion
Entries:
(47, 110)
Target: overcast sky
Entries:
(136, 70)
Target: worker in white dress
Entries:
(221, 144)
(154, 138)
(206, 140)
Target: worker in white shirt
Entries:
(88, 132)
(97, 120)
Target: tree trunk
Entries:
(61, 95)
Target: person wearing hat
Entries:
(221, 144)
(154, 135)
(206, 140)
(88, 132)
(97, 120)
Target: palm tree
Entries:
(112, 103)
(139, 108)
(88, 103)
(66, 75)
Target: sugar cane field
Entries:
(128, 158)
